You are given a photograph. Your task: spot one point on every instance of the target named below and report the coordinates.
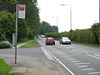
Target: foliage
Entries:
(27, 28)
(4, 2)
(32, 17)
(5, 44)
(22, 29)
(53, 34)
(8, 7)
(7, 25)
(64, 34)
(47, 28)
(96, 32)
(85, 36)
(54, 28)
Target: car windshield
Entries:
(50, 38)
(65, 38)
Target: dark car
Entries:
(50, 41)
(65, 40)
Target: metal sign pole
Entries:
(16, 33)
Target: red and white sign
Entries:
(21, 11)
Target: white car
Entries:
(42, 36)
(65, 40)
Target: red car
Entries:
(50, 41)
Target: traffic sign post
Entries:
(20, 13)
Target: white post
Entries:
(70, 14)
(16, 33)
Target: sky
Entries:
(84, 13)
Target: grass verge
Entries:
(31, 44)
(5, 68)
(87, 44)
(22, 41)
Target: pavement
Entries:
(35, 65)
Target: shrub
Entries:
(82, 36)
(5, 44)
(96, 32)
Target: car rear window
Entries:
(50, 38)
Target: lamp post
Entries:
(70, 14)
(56, 20)
(99, 11)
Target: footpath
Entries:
(36, 65)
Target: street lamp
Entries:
(56, 21)
(99, 11)
(70, 14)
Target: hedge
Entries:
(90, 36)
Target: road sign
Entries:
(21, 11)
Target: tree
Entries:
(96, 32)
(47, 28)
(4, 2)
(32, 16)
(54, 29)
(7, 25)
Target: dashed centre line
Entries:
(87, 69)
(92, 73)
(83, 66)
(82, 63)
(75, 61)
(93, 56)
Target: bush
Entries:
(96, 32)
(82, 36)
(7, 25)
(5, 44)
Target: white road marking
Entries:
(75, 61)
(47, 54)
(84, 51)
(93, 56)
(57, 61)
(83, 66)
(87, 69)
(97, 55)
(77, 51)
(70, 59)
(82, 63)
(92, 73)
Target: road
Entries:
(78, 59)
(31, 61)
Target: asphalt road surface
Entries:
(77, 59)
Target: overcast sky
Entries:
(84, 13)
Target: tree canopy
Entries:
(27, 28)
(47, 28)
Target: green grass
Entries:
(5, 68)
(31, 44)
(22, 41)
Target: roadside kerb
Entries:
(19, 45)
